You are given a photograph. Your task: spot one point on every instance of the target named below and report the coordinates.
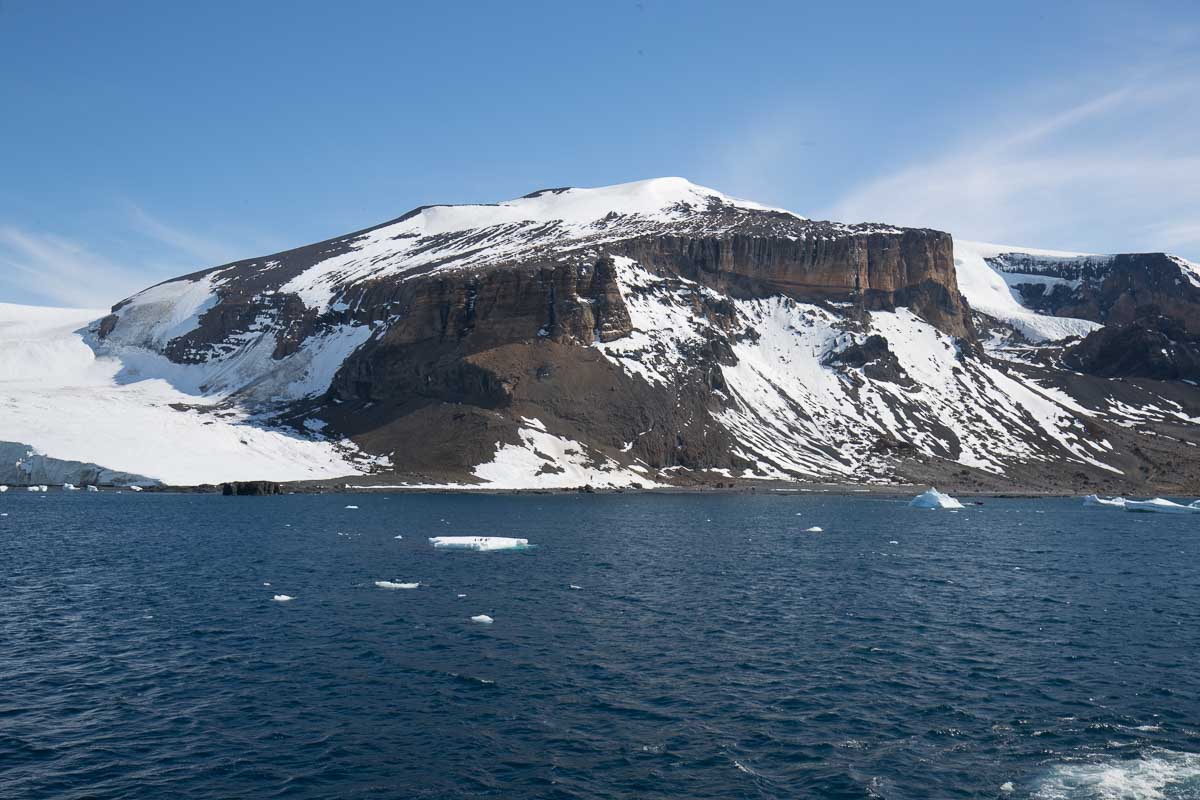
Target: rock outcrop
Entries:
(661, 332)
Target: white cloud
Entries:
(50, 269)
(45, 267)
(1114, 171)
(199, 249)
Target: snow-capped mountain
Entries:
(647, 333)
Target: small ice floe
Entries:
(92, 488)
(893, 541)
(814, 529)
(38, 489)
(394, 585)
(397, 537)
(482, 619)
(70, 487)
(934, 499)
(1007, 787)
(1160, 506)
(352, 508)
(282, 598)
(3, 489)
(1104, 502)
(138, 489)
(478, 543)
(573, 586)
(266, 584)
(460, 595)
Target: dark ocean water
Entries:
(714, 649)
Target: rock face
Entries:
(660, 332)
(1113, 290)
(1148, 347)
(1148, 303)
(250, 488)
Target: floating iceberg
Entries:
(92, 488)
(282, 598)
(934, 499)
(3, 489)
(138, 489)
(478, 543)
(814, 529)
(482, 619)
(70, 487)
(355, 508)
(38, 489)
(393, 585)
(1160, 506)
(1104, 502)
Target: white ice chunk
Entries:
(934, 499)
(1104, 502)
(3, 489)
(70, 487)
(91, 488)
(1159, 506)
(135, 488)
(353, 507)
(393, 585)
(478, 543)
(814, 529)
(482, 619)
(282, 598)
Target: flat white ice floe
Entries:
(814, 529)
(394, 585)
(92, 488)
(1104, 502)
(1160, 506)
(353, 507)
(70, 487)
(482, 619)
(478, 543)
(3, 489)
(934, 499)
(282, 598)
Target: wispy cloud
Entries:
(141, 249)
(197, 248)
(1115, 170)
(51, 269)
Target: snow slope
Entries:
(458, 236)
(58, 396)
(990, 292)
(795, 414)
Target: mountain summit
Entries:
(655, 333)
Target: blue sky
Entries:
(144, 140)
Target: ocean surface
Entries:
(712, 649)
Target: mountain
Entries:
(652, 333)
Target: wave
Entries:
(1156, 775)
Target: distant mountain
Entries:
(643, 334)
